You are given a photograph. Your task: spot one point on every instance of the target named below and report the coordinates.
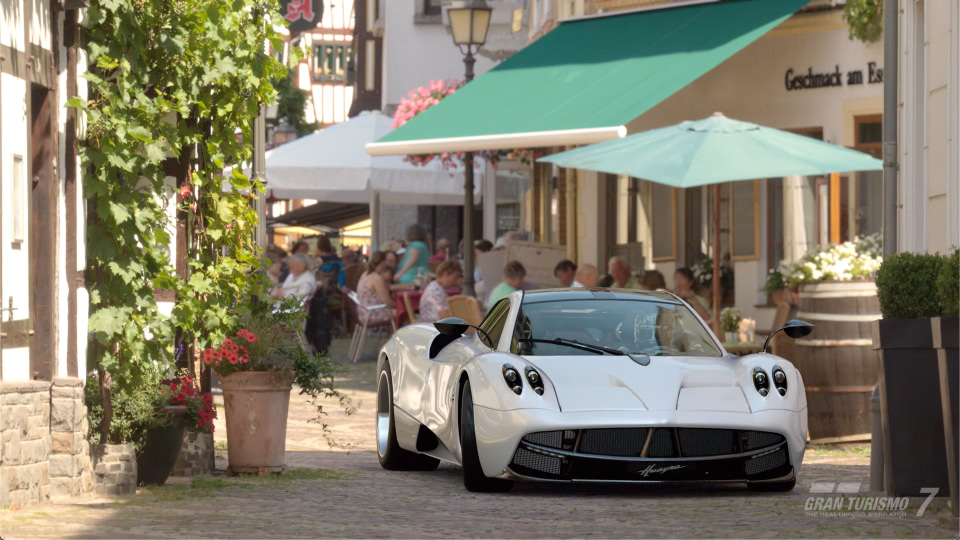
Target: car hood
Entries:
(595, 383)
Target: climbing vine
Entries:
(175, 86)
(865, 19)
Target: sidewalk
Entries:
(336, 493)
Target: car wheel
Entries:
(473, 477)
(774, 486)
(391, 456)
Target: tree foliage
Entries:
(865, 19)
(292, 104)
(174, 85)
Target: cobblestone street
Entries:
(345, 493)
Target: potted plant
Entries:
(182, 409)
(730, 324)
(945, 340)
(776, 286)
(909, 374)
(257, 368)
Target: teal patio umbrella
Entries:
(714, 150)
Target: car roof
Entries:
(555, 295)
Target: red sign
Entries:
(302, 15)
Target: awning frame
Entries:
(509, 141)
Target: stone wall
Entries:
(71, 472)
(196, 455)
(115, 469)
(24, 421)
(43, 447)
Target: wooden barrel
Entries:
(837, 360)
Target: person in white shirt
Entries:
(565, 272)
(299, 283)
(588, 275)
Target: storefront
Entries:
(804, 76)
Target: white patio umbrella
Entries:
(332, 165)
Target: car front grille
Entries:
(612, 453)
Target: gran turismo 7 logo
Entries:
(842, 499)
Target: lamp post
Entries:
(469, 22)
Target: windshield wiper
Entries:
(577, 345)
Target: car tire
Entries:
(774, 486)
(473, 477)
(392, 456)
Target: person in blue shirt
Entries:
(416, 258)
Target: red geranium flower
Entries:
(184, 191)
(173, 386)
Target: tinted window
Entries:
(649, 327)
(496, 319)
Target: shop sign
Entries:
(302, 15)
(803, 81)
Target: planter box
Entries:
(946, 338)
(913, 444)
(256, 405)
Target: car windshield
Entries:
(585, 327)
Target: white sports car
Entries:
(589, 385)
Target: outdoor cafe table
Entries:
(414, 295)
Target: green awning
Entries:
(584, 80)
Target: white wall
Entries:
(929, 125)
(415, 54)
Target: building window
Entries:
(868, 216)
(431, 7)
(331, 60)
(744, 220)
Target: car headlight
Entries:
(535, 380)
(780, 380)
(512, 377)
(760, 381)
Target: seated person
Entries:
(683, 282)
(513, 274)
(299, 283)
(620, 272)
(374, 289)
(566, 272)
(653, 281)
(587, 275)
(328, 262)
(433, 302)
(441, 252)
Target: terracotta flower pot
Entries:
(256, 404)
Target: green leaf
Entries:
(119, 212)
(155, 152)
(106, 321)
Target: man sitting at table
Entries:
(299, 283)
(433, 302)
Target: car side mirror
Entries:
(452, 326)
(794, 328)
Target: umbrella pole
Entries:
(716, 260)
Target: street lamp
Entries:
(469, 22)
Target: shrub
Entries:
(905, 286)
(948, 285)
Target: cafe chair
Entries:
(466, 308)
(362, 324)
(411, 314)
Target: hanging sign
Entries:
(302, 15)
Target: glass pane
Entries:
(638, 326)
(742, 219)
(663, 221)
(871, 132)
(869, 203)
